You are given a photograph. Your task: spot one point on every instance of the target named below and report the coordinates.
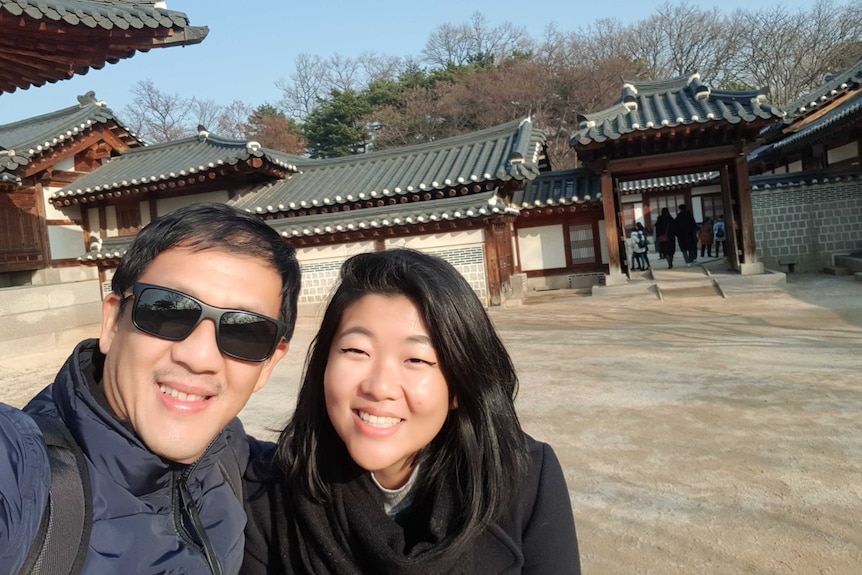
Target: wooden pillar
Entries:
(727, 198)
(746, 215)
(612, 232)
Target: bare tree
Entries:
(233, 120)
(459, 44)
(315, 78)
(679, 39)
(206, 113)
(788, 53)
(306, 86)
(158, 116)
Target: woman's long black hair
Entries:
(481, 443)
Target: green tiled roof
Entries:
(559, 189)
(833, 87)
(21, 142)
(111, 29)
(511, 151)
(646, 106)
(479, 205)
(171, 161)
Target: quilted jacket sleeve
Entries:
(25, 481)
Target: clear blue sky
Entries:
(253, 44)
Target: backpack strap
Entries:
(60, 547)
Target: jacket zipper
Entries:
(193, 535)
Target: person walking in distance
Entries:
(720, 236)
(686, 233)
(664, 230)
(705, 235)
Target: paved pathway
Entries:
(698, 434)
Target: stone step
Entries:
(837, 271)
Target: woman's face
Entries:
(385, 393)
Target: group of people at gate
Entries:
(681, 230)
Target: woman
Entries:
(404, 454)
(664, 233)
(640, 248)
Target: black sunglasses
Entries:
(172, 315)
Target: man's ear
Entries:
(269, 365)
(110, 321)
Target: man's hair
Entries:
(481, 443)
(214, 226)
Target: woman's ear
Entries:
(453, 404)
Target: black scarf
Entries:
(351, 533)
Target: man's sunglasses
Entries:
(173, 315)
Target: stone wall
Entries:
(31, 317)
(802, 228)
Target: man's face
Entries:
(178, 395)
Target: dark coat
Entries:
(536, 535)
(665, 226)
(137, 515)
(686, 230)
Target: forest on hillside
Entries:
(473, 75)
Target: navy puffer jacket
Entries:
(142, 504)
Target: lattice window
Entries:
(581, 244)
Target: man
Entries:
(686, 234)
(202, 308)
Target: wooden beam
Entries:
(679, 162)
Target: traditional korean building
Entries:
(37, 157)
(807, 200)
(662, 138)
(45, 42)
(454, 197)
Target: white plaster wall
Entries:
(432, 242)
(542, 248)
(841, 153)
(165, 205)
(66, 241)
(145, 213)
(93, 216)
(52, 213)
(111, 230)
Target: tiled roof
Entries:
(559, 189)
(797, 179)
(646, 106)
(832, 88)
(668, 182)
(87, 34)
(171, 161)
(21, 141)
(511, 151)
(412, 213)
(107, 249)
(7, 178)
(846, 85)
(847, 110)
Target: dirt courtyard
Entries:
(698, 435)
